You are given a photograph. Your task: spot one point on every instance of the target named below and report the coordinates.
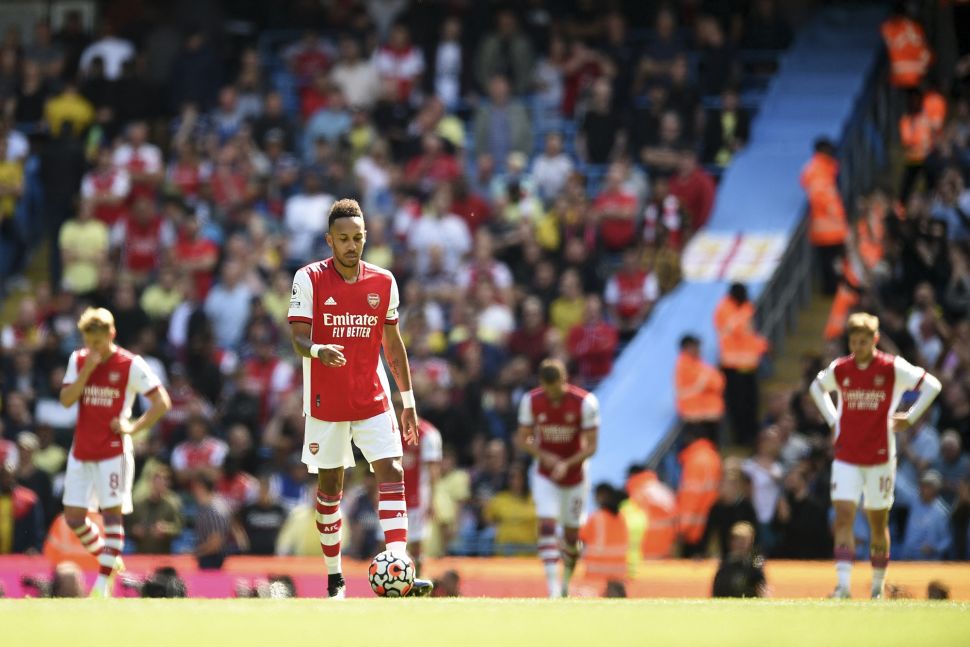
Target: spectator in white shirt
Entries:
(551, 169)
(112, 50)
(227, 306)
(305, 220)
(438, 227)
(356, 77)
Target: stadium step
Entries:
(805, 339)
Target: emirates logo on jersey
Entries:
(314, 448)
(879, 380)
(373, 299)
(114, 376)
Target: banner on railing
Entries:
(733, 256)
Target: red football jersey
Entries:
(351, 315)
(867, 398)
(108, 393)
(557, 426)
(417, 481)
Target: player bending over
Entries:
(342, 311)
(558, 426)
(104, 378)
(869, 384)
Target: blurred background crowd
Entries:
(530, 172)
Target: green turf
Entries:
(468, 622)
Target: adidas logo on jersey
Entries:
(330, 302)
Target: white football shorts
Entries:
(565, 504)
(326, 445)
(100, 484)
(874, 483)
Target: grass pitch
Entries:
(478, 621)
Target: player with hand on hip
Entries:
(103, 379)
(870, 385)
(342, 312)
(558, 427)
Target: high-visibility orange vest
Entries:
(741, 346)
(700, 389)
(934, 107)
(827, 224)
(699, 485)
(909, 55)
(916, 136)
(604, 537)
(660, 504)
(871, 235)
(845, 299)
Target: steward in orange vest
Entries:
(916, 136)
(699, 388)
(700, 484)
(659, 502)
(827, 225)
(741, 351)
(909, 55)
(605, 538)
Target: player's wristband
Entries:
(315, 350)
(407, 399)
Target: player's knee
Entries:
(547, 527)
(570, 535)
(74, 519)
(112, 519)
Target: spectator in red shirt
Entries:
(592, 344)
(529, 339)
(695, 187)
(630, 294)
(196, 255)
(615, 211)
(664, 220)
(315, 96)
(432, 167)
(471, 207)
(307, 56)
(106, 188)
(229, 182)
(200, 454)
(140, 237)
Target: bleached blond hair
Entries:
(96, 320)
(862, 322)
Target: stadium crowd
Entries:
(899, 252)
(530, 174)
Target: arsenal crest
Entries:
(373, 299)
(542, 417)
(879, 380)
(314, 448)
(570, 417)
(114, 376)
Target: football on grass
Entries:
(391, 574)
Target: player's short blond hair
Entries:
(96, 320)
(862, 322)
(742, 529)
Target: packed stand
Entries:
(530, 176)
(902, 254)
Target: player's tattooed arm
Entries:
(397, 357)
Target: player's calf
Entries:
(109, 559)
